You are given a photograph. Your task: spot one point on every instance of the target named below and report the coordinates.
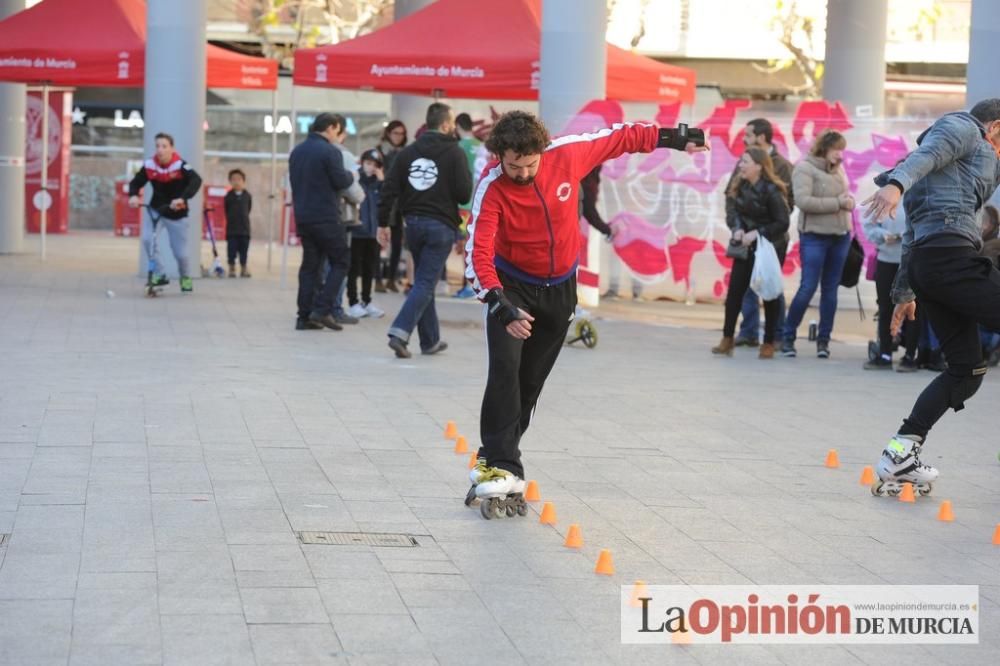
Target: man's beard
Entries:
(518, 180)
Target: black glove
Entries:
(678, 138)
(499, 306)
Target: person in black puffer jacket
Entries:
(756, 205)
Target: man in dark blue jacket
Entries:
(316, 173)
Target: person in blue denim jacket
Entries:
(943, 184)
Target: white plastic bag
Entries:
(766, 278)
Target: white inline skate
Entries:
(899, 464)
(475, 474)
(500, 494)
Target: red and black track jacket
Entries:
(531, 232)
(174, 180)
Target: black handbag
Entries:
(737, 250)
(851, 274)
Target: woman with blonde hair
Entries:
(756, 205)
(825, 203)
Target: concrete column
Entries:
(984, 56)
(854, 70)
(411, 109)
(174, 100)
(12, 137)
(573, 60)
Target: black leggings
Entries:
(364, 265)
(739, 282)
(958, 291)
(237, 245)
(885, 273)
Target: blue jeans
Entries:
(823, 260)
(177, 233)
(750, 328)
(430, 243)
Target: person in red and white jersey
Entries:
(174, 183)
(521, 258)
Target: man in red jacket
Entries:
(521, 258)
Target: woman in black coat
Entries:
(756, 205)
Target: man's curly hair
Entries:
(519, 132)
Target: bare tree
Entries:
(796, 33)
(285, 25)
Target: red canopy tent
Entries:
(457, 48)
(102, 43)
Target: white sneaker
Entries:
(357, 311)
(374, 311)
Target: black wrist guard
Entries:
(678, 138)
(500, 307)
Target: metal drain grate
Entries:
(358, 539)
(3, 539)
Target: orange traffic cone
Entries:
(531, 492)
(573, 538)
(548, 514)
(450, 431)
(832, 461)
(473, 459)
(638, 592)
(867, 476)
(945, 513)
(604, 564)
(907, 494)
(461, 445)
(996, 535)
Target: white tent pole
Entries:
(274, 175)
(44, 198)
(287, 200)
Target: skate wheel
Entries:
(586, 332)
(925, 491)
(485, 510)
(873, 350)
(522, 509)
(497, 508)
(511, 510)
(470, 496)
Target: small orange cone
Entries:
(473, 459)
(604, 564)
(573, 538)
(461, 445)
(638, 592)
(450, 431)
(531, 492)
(867, 476)
(945, 514)
(996, 535)
(548, 514)
(907, 494)
(832, 461)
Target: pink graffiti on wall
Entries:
(652, 245)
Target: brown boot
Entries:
(725, 347)
(766, 350)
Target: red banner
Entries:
(60, 135)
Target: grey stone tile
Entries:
(344, 596)
(199, 597)
(35, 631)
(396, 634)
(283, 606)
(206, 639)
(275, 644)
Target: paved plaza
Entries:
(160, 458)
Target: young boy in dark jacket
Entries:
(364, 244)
(238, 203)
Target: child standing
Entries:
(364, 244)
(238, 203)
